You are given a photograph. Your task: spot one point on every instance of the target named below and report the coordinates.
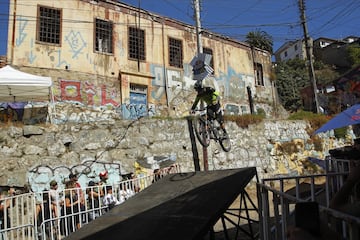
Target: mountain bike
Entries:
(207, 128)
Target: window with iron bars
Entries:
(175, 53)
(136, 43)
(259, 74)
(103, 36)
(48, 25)
(210, 52)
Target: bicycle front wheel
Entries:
(202, 132)
(224, 141)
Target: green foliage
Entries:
(292, 76)
(315, 120)
(289, 148)
(340, 132)
(354, 54)
(303, 115)
(318, 144)
(324, 74)
(261, 112)
(260, 39)
(244, 121)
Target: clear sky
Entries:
(334, 19)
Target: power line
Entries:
(280, 29)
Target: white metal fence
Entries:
(46, 215)
(39, 216)
(277, 204)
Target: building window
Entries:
(296, 47)
(136, 43)
(48, 25)
(175, 53)
(210, 52)
(259, 74)
(103, 36)
(285, 53)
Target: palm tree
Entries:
(260, 39)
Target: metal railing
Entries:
(46, 215)
(277, 204)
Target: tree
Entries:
(354, 54)
(260, 39)
(292, 76)
(324, 74)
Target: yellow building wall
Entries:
(81, 74)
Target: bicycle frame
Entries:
(207, 128)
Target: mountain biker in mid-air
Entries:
(212, 99)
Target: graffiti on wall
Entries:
(235, 109)
(71, 90)
(40, 176)
(75, 42)
(21, 27)
(137, 110)
(168, 84)
(175, 81)
(234, 84)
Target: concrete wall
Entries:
(90, 142)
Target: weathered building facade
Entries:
(112, 55)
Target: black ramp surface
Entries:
(179, 206)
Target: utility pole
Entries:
(200, 50)
(309, 53)
(198, 25)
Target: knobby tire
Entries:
(224, 141)
(202, 134)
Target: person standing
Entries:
(110, 200)
(74, 179)
(56, 201)
(94, 199)
(5, 203)
(70, 210)
(104, 176)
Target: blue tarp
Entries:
(350, 116)
(318, 162)
(18, 107)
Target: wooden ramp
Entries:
(180, 206)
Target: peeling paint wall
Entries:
(83, 75)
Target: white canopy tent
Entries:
(17, 86)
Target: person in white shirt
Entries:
(56, 201)
(109, 199)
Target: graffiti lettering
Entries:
(90, 91)
(70, 90)
(106, 101)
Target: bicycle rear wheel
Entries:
(202, 134)
(224, 140)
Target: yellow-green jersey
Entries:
(209, 96)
